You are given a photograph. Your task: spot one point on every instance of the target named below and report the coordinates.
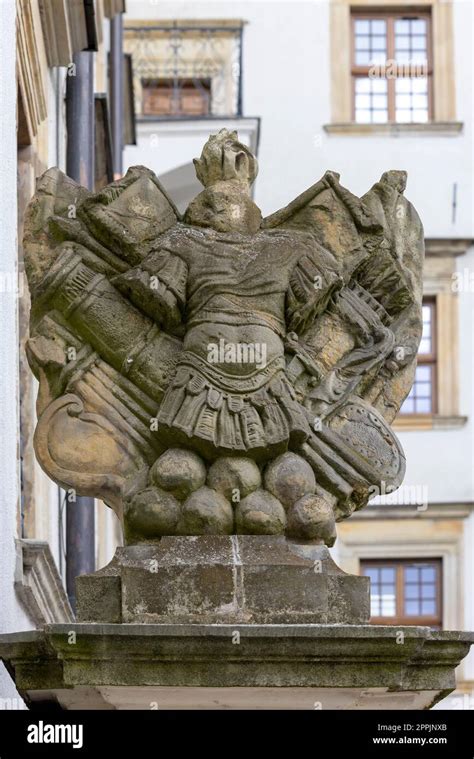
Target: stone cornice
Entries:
(111, 662)
(449, 246)
(430, 129)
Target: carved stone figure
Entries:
(221, 373)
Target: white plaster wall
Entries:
(286, 81)
(444, 459)
(11, 615)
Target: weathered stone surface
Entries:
(179, 471)
(215, 578)
(312, 517)
(228, 335)
(151, 513)
(99, 596)
(235, 478)
(203, 666)
(206, 512)
(260, 513)
(289, 478)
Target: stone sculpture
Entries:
(221, 373)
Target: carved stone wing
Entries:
(352, 365)
(102, 362)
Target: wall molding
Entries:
(391, 129)
(30, 68)
(417, 422)
(447, 246)
(38, 584)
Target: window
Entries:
(186, 70)
(391, 68)
(422, 396)
(176, 97)
(405, 592)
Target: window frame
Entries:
(428, 359)
(431, 359)
(358, 71)
(400, 618)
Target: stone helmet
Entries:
(224, 159)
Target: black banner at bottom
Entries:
(135, 734)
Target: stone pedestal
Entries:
(222, 622)
(233, 579)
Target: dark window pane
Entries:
(411, 591)
(428, 591)
(371, 572)
(388, 574)
(363, 57)
(423, 406)
(402, 26)
(412, 608)
(428, 574)
(418, 26)
(428, 607)
(371, 100)
(378, 27)
(362, 26)
(411, 574)
(362, 43)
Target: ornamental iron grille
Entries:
(186, 70)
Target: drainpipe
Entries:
(116, 92)
(80, 517)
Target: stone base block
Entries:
(211, 579)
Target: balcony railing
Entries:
(186, 70)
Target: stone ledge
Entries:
(430, 129)
(417, 422)
(437, 247)
(315, 661)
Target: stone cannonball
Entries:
(312, 518)
(150, 514)
(178, 471)
(260, 513)
(289, 478)
(206, 512)
(235, 478)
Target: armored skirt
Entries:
(222, 414)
